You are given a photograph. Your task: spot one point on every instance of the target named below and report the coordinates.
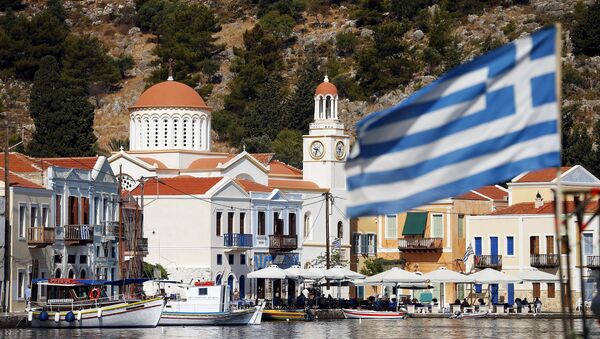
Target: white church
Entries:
(218, 216)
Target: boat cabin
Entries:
(201, 297)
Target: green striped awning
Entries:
(415, 223)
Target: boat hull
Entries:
(369, 314)
(145, 313)
(202, 319)
(278, 315)
(469, 315)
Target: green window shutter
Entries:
(438, 225)
(415, 223)
(461, 226)
(391, 227)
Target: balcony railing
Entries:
(543, 260)
(40, 236)
(420, 244)
(593, 261)
(80, 233)
(237, 240)
(283, 242)
(488, 261)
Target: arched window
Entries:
(340, 229)
(82, 275)
(71, 274)
(320, 107)
(218, 280)
(57, 273)
(307, 225)
(328, 108)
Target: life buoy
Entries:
(95, 293)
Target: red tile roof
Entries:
(209, 163)
(546, 208)
(278, 168)
(265, 158)
(470, 196)
(19, 163)
(251, 186)
(181, 185)
(86, 163)
(300, 185)
(152, 161)
(544, 175)
(17, 181)
(493, 192)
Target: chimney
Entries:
(539, 201)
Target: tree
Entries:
(288, 147)
(442, 52)
(586, 32)
(301, 106)
(156, 271)
(260, 144)
(63, 120)
(372, 266)
(11, 4)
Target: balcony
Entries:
(237, 240)
(488, 261)
(593, 261)
(40, 236)
(283, 242)
(108, 230)
(79, 233)
(543, 260)
(420, 244)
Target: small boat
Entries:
(460, 315)
(206, 304)
(286, 315)
(77, 303)
(370, 314)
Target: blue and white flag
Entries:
(469, 252)
(483, 122)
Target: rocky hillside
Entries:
(113, 23)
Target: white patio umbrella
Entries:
(271, 272)
(491, 276)
(340, 273)
(535, 275)
(443, 275)
(304, 273)
(397, 276)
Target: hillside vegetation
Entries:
(257, 62)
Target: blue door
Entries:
(477, 252)
(230, 284)
(511, 294)
(242, 287)
(494, 250)
(494, 293)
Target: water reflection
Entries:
(411, 328)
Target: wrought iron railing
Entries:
(79, 233)
(237, 240)
(543, 260)
(593, 261)
(485, 261)
(283, 242)
(408, 244)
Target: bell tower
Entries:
(326, 146)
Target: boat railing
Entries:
(52, 304)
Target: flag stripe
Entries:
(483, 148)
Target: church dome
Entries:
(326, 87)
(170, 94)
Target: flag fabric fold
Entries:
(469, 252)
(483, 122)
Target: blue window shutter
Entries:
(510, 245)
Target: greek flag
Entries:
(483, 122)
(336, 243)
(468, 253)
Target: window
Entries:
(534, 245)
(278, 221)
(166, 130)
(85, 210)
(45, 214)
(58, 210)
(437, 223)
(57, 259)
(21, 284)
(371, 243)
(261, 223)
(587, 243)
(83, 259)
(113, 251)
(242, 222)
(22, 220)
(510, 245)
(231, 259)
(292, 223)
(219, 259)
(218, 223)
(340, 229)
(203, 291)
(242, 259)
(356, 239)
(71, 259)
(461, 226)
(536, 290)
(307, 226)
(33, 216)
(230, 217)
(391, 227)
(551, 290)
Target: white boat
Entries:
(460, 315)
(75, 303)
(370, 314)
(206, 304)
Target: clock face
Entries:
(127, 182)
(340, 150)
(317, 150)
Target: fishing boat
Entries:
(370, 314)
(205, 303)
(78, 303)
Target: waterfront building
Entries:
(523, 236)
(247, 207)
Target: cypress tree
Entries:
(63, 120)
(301, 105)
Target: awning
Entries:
(415, 223)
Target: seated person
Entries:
(464, 304)
(457, 302)
(481, 302)
(434, 301)
(526, 304)
(537, 305)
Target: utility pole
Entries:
(6, 283)
(327, 258)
